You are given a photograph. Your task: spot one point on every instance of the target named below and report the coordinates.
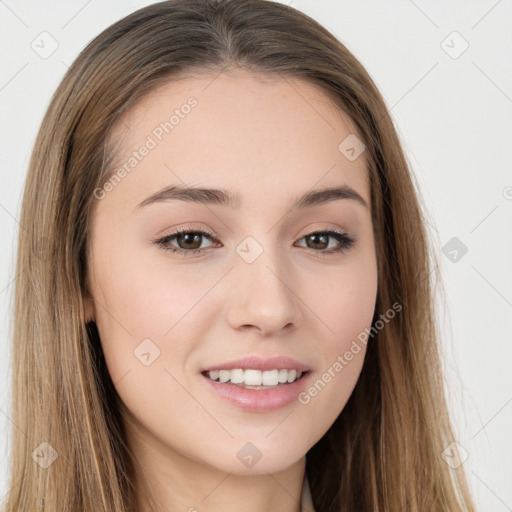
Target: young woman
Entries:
(224, 298)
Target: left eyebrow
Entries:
(226, 198)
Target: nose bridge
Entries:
(263, 295)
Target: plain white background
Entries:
(452, 107)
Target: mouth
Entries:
(257, 391)
(256, 379)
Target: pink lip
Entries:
(259, 400)
(259, 363)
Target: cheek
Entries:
(153, 318)
(344, 299)
(346, 310)
(351, 305)
(149, 295)
(146, 334)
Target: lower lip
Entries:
(259, 400)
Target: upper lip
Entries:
(260, 363)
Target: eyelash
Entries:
(345, 240)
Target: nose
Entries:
(263, 296)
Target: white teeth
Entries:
(224, 375)
(255, 377)
(237, 376)
(270, 378)
(292, 375)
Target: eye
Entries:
(320, 240)
(189, 241)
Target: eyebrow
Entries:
(210, 196)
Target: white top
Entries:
(306, 499)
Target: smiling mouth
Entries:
(255, 379)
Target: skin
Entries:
(270, 141)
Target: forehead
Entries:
(239, 131)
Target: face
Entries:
(266, 278)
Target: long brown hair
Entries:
(384, 451)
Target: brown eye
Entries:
(186, 241)
(319, 241)
(189, 240)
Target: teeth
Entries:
(224, 375)
(255, 377)
(235, 376)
